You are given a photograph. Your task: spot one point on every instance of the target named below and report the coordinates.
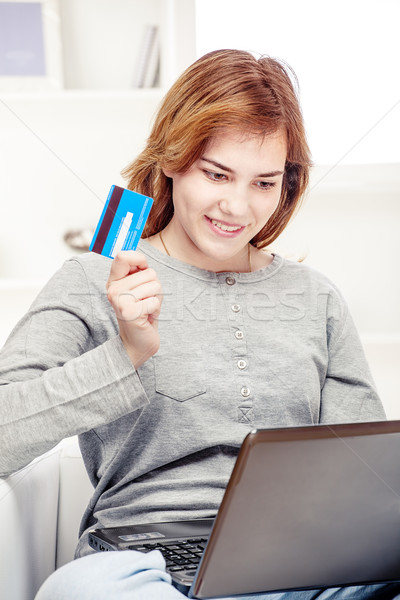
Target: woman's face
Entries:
(225, 199)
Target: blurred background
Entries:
(66, 131)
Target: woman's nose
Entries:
(234, 202)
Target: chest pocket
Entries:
(179, 377)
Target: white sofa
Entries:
(40, 511)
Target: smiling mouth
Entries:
(226, 227)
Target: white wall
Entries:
(346, 56)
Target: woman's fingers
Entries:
(124, 294)
(129, 304)
(131, 281)
(124, 263)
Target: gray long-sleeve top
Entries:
(276, 347)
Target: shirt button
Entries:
(235, 307)
(242, 364)
(239, 335)
(245, 392)
(230, 280)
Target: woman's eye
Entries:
(266, 185)
(215, 176)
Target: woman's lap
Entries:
(131, 575)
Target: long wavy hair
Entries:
(223, 89)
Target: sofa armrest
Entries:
(75, 493)
(28, 523)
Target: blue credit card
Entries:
(121, 223)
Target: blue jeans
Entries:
(131, 575)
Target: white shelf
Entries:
(78, 94)
(365, 179)
(100, 43)
(102, 40)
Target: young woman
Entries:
(163, 359)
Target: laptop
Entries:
(305, 507)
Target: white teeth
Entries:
(225, 227)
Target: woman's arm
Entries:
(64, 370)
(349, 392)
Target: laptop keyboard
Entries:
(180, 555)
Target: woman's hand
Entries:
(134, 292)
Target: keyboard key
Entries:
(179, 555)
(169, 563)
(140, 548)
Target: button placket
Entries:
(231, 290)
(245, 413)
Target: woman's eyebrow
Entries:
(229, 170)
(217, 164)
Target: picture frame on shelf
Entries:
(30, 46)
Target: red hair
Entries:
(223, 89)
